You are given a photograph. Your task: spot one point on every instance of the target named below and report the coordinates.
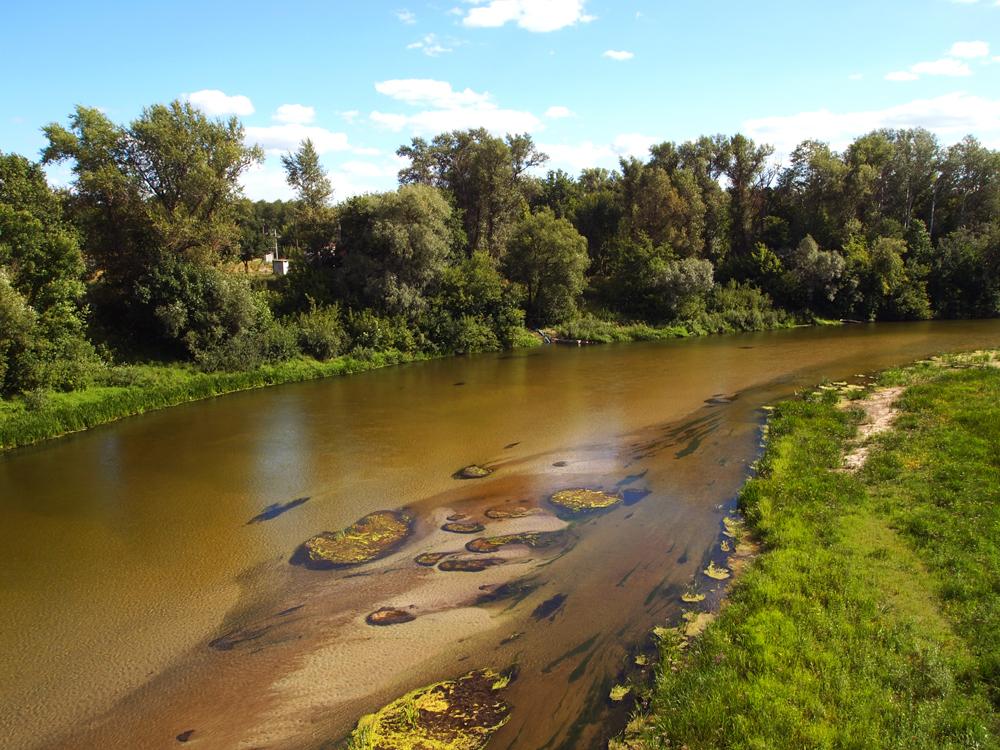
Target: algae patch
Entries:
(463, 527)
(472, 471)
(533, 539)
(470, 565)
(367, 539)
(460, 714)
(583, 500)
(719, 574)
(502, 512)
(389, 616)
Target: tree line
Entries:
(139, 258)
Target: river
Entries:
(127, 550)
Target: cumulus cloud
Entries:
(558, 112)
(532, 15)
(215, 103)
(970, 50)
(618, 54)
(444, 108)
(951, 117)
(952, 65)
(298, 114)
(574, 157)
(287, 137)
(406, 16)
(430, 45)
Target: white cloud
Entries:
(298, 114)
(215, 103)
(576, 157)
(445, 108)
(901, 75)
(350, 115)
(430, 45)
(944, 67)
(618, 54)
(856, 76)
(429, 92)
(633, 144)
(406, 16)
(557, 112)
(281, 138)
(970, 50)
(532, 15)
(368, 169)
(951, 117)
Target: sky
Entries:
(590, 80)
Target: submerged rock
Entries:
(519, 510)
(389, 616)
(533, 539)
(460, 714)
(430, 559)
(473, 471)
(582, 500)
(470, 564)
(463, 527)
(367, 539)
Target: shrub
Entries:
(320, 332)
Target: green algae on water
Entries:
(367, 539)
(584, 500)
(460, 714)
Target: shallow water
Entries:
(128, 550)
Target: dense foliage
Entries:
(140, 257)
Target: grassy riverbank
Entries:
(136, 389)
(871, 617)
(125, 391)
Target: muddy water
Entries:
(139, 602)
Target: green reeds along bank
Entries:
(138, 389)
(871, 619)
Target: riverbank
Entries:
(136, 389)
(870, 617)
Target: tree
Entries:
(304, 173)
(816, 274)
(548, 257)
(314, 223)
(395, 245)
(484, 175)
(745, 166)
(168, 183)
(42, 332)
(162, 190)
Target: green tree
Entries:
(484, 175)
(395, 245)
(42, 271)
(164, 189)
(548, 257)
(314, 223)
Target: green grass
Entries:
(870, 620)
(141, 388)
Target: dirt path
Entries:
(880, 412)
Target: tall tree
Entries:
(548, 257)
(483, 174)
(307, 176)
(745, 166)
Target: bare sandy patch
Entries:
(880, 413)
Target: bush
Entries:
(739, 307)
(366, 330)
(320, 332)
(251, 349)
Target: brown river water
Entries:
(137, 603)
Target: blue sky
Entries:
(591, 80)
